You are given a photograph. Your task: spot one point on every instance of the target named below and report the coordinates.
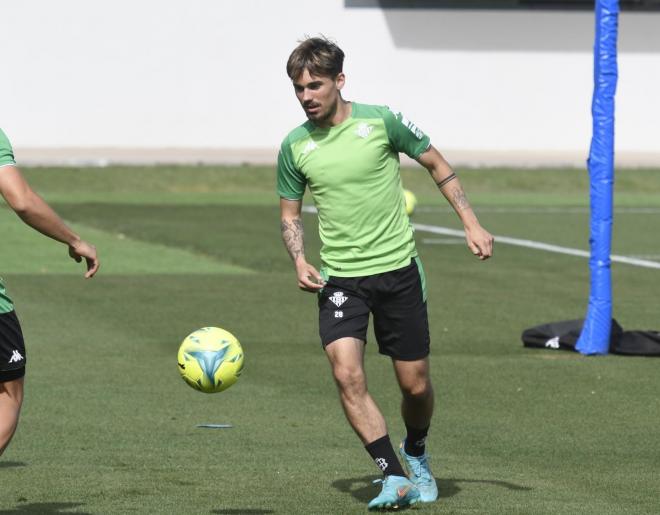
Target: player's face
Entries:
(319, 96)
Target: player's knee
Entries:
(420, 389)
(350, 380)
(11, 393)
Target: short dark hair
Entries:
(320, 56)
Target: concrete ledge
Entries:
(268, 156)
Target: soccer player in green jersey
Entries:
(347, 154)
(34, 211)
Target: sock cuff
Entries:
(377, 442)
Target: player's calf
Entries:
(11, 399)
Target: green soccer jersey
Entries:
(6, 158)
(352, 171)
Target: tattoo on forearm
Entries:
(447, 179)
(460, 200)
(292, 235)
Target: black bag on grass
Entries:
(563, 335)
(638, 343)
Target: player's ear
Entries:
(340, 80)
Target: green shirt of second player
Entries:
(6, 158)
(352, 171)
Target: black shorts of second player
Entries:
(398, 302)
(12, 348)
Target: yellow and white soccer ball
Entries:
(411, 201)
(210, 359)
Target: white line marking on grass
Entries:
(446, 231)
(443, 241)
(543, 210)
(433, 229)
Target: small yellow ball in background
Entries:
(411, 201)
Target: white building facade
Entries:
(204, 80)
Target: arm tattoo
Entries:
(460, 200)
(292, 235)
(446, 180)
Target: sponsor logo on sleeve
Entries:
(412, 127)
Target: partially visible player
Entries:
(34, 211)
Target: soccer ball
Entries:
(210, 359)
(411, 201)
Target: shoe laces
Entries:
(381, 481)
(419, 464)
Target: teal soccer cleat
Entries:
(397, 492)
(420, 475)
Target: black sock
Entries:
(382, 452)
(415, 443)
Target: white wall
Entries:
(211, 74)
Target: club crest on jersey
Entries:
(338, 298)
(311, 145)
(363, 130)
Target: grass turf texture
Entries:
(109, 427)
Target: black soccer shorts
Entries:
(12, 348)
(397, 300)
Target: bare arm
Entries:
(309, 278)
(36, 213)
(292, 229)
(478, 239)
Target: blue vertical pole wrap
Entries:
(595, 337)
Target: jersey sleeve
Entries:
(404, 135)
(290, 181)
(6, 152)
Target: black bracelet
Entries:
(446, 180)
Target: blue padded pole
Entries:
(595, 336)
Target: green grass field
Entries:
(109, 427)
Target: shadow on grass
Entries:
(449, 484)
(10, 464)
(44, 508)
(242, 511)
(363, 489)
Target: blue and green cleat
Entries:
(397, 492)
(420, 475)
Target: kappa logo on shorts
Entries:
(338, 298)
(15, 357)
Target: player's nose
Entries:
(307, 96)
